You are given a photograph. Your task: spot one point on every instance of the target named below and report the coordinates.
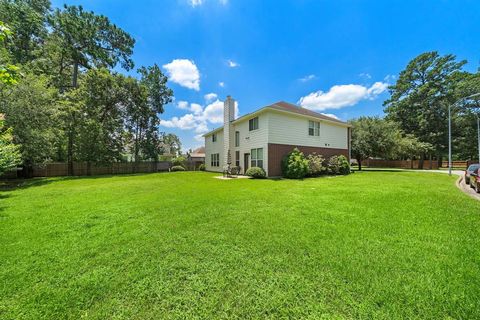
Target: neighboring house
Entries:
(197, 157)
(262, 138)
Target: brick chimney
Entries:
(228, 134)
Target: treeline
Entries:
(415, 125)
(60, 94)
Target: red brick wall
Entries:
(276, 152)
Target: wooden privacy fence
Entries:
(458, 164)
(404, 164)
(82, 169)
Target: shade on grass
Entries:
(185, 245)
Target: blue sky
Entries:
(335, 57)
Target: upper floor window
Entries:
(253, 124)
(256, 157)
(313, 128)
(214, 137)
(237, 139)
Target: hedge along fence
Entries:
(57, 169)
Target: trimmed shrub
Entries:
(201, 167)
(338, 165)
(177, 168)
(295, 165)
(256, 173)
(316, 165)
(179, 161)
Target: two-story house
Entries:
(262, 138)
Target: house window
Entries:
(257, 157)
(313, 128)
(237, 139)
(215, 159)
(214, 137)
(237, 158)
(253, 124)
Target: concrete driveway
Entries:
(466, 188)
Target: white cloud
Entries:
(195, 3)
(196, 108)
(214, 112)
(376, 89)
(331, 115)
(199, 137)
(199, 118)
(185, 122)
(389, 78)
(233, 64)
(184, 72)
(307, 78)
(182, 105)
(221, 84)
(340, 96)
(365, 75)
(209, 97)
(193, 107)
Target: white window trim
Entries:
(256, 159)
(316, 128)
(258, 124)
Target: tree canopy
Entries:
(60, 94)
(419, 99)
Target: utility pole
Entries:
(449, 140)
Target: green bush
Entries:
(256, 173)
(201, 167)
(179, 161)
(177, 168)
(316, 165)
(338, 165)
(295, 165)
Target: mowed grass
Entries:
(386, 245)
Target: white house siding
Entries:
(286, 128)
(214, 147)
(252, 139)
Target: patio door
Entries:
(246, 162)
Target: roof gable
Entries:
(285, 107)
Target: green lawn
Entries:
(184, 245)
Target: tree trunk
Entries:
(421, 161)
(70, 133)
(70, 152)
(27, 171)
(75, 75)
(359, 164)
(439, 160)
(136, 149)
